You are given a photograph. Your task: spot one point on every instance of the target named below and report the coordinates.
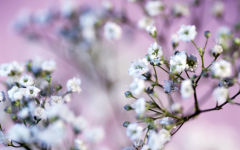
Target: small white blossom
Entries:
(56, 100)
(180, 10)
(48, 65)
(73, 85)
(152, 30)
(16, 93)
(134, 131)
(158, 140)
(155, 53)
(221, 69)
(220, 94)
(139, 106)
(137, 86)
(178, 62)
(79, 145)
(24, 113)
(218, 8)
(154, 8)
(217, 49)
(138, 68)
(94, 135)
(79, 124)
(144, 22)
(26, 80)
(187, 33)
(112, 31)
(32, 92)
(39, 112)
(5, 69)
(19, 133)
(186, 88)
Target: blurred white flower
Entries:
(178, 62)
(155, 54)
(48, 65)
(32, 92)
(154, 8)
(152, 30)
(221, 69)
(158, 140)
(94, 135)
(187, 33)
(26, 80)
(16, 93)
(218, 8)
(180, 10)
(19, 133)
(217, 49)
(144, 22)
(186, 88)
(79, 145)
(73, 85)
(137, 86)
(138, 68)
(79, 124)
(112, 31)
(134, 131)
(139, 106)
(220, 94)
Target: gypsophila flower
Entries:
(216, 50)
(138, 68)
(48, 65)
(79, 124)
(56, 100)
(155, 54)
(221, 69)
(26, 80)
(154, 8)
(94, 135)
(16, 93)
(176, 107)
(186, 88)
(220, 94)
(5, 69)
(152, 30)
(139, 106)
(179, 10)
(137, 86)
(24, 113)
(187, 33)
(174, 40)
(79, 145)
(32, 92)
(178, 62)
(19, 133)
(218, 8)
(73, 85)
(158, 140)
(144, 22)
(134, 131)
(39, 113)
(112, 31)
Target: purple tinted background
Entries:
(13, 47)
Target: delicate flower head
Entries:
(16, 93)
(39, 113)
(155, 54)
(48, 65)
(32, 92)
(187, 33)
(139, 106)
(154, 8)
(79, 124)
(73, 85)
(218, 8)
(26, 80)
(186, 88)
(112, 31)
(220, 94)
(178, 62)
(217, 49)
(144, 22)
(221, 69)
(19, 133)
(138, 68)
(134, 131)
(137, 86)
(158, 140)
(79, 145)
(179, 10)
(152, 30)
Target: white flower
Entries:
(221, 69)
(144, 22)
(178, 62)
(79, 145)
(19, 133)
(79, 124)
(220, 94)
(73, 85)
(139, 106)
(48, 65)
(180, 10)
(218, 8)
(26, 80)
(5, 69)
(187, 33)
(186, 88)
(32, 92)
(112, 31)
(223, 32)
(174, 39)
(138, 68)
(158, 140)
(217, 49)
(134, 131)
(137, 86)
(94, 135)
(155, 53)
(56, 100)
(16, 93)
(154, 8)
(24, 113)
(152, 30)
(176, 107)
(39, 112)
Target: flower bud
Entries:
(207, 34)
(128, 94)
(237, 41)
(128, 107)
(126, 123)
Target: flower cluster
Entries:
(38, 108)
(159, 118)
